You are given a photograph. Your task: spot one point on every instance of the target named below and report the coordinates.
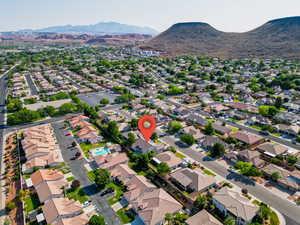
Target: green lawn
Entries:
(208, 172)
(234, 129)
(77, 194)
(179, 155)
(124, 217)
(118, 193)
(69, 179)
(91, 175)
(274, 220)
(31, 202)
(256, 127)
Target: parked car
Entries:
(107, 191)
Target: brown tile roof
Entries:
(272, 148)
(110, 160)
(82, 219)
(246, 137)
(195, 179)
(169, 158)
(203, 218)
(154, 205)
(43, 175)
(56, 207)
(237, 204)
(49, 188)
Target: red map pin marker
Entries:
(147, 125)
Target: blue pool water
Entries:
(100, 151)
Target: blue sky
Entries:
(225, 15)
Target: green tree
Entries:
(174, 127)
(131, 139)
(188, 139)
(209, 130)
(134, 123)
(278, 102)
(10, 206)
(102, 178)
(66, 108)
(163, 168)
(104, 101)
(218, 149)
(229, 221)
(96, 220)
(201, 202)
(113, 129)
(275, 176)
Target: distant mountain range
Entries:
(99, 28)
(279, 38)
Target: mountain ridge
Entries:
(98, 28)
(278, 38)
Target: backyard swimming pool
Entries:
(100, 151)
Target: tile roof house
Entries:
(247, 137)
(232, 203)
(209, 141)
(288, 129)
(284, 177)
(193, 131)
(89, 134)
(192, 180)
(272, 149)
(152, 206)
(81, 219)
(75, 120)
(197, 119)
(203, 218)
(169, 158)
(141, 146)
(109, 161)
(44, 175)
(58, 208)
(221, 129)
(252, 157)
(51, 189)
(122, 172)
(40, 147)
(136, 186)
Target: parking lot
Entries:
(92, 99)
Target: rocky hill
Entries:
(278, 38)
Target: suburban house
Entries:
(197, 119)
(252, 157)
(40, 147)
(89, 134)
(44, 175)
(122, 173)
(203, 218)
(208, 142)
(291, 130)
(285, 179)
(152, 206)
(142, 146)
(221, 129)
(232, 203)
(193, 131)
(75, 121)
(60, 208)
(109, 161)
(192, 180)
(169, 158)
(272, 149)
(247, 137)
(51, 189)
(81, 219)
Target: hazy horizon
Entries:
(224, 15)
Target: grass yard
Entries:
(31, 202)
(77, 194)
(179, 155)
(118, 193)
(125, 218)
(234, 129)
(274, 220)
(91, 175)
(69, 179)
(256, 127)
(208, 172)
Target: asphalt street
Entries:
(290, 211)
(80, 172)
(32, 87)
